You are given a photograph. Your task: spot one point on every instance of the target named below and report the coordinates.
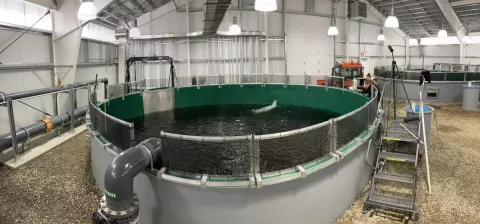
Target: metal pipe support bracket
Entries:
(48, 125)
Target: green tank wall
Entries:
(331, 99)
(129, 108)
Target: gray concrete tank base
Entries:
(428, 111)
(470, 97)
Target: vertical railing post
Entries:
(332, 135)
(72, 108)
(368, 112)
(305, 81)
(89, 91)
(256, 154)
(251, 158)
(132, 134)
(197, 81)
(13, 132)
(105, 90)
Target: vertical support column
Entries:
(462, 52)
(359, 40)
(347, 26)
(265, 24)
(285, 68)
(13, 132)
(71, 93)
(407, 51)
(66, 39)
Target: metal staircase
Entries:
(394, 182)
(394, 152)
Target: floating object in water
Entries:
(265, 109)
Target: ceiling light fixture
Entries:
(443, 33)
(381, 37)
(265, 5)
(87, 11)
(392, 21)
(235, 28)
(134, 31)
(332, 30)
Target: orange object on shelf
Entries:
(320, 82)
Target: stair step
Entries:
(393, 201)
(396, 177)
(396, 132)
(398, 157)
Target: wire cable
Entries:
(24, 32)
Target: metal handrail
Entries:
(205, 138)
(129, 124)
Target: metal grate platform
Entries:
(397, 157)
(396, 132)
(396, 177)
(394, 201)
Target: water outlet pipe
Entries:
(120, 203)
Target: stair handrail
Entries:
(425, 143)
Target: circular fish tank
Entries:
(238, 153)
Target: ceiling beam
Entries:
(465, 2)
(452, 18)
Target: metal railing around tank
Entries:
(451, 75)
(318, 141)
(118, 132)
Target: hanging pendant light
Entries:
(443, 33)
(332, 30)
(134, 31)
(381, 37)
(87, 11)
(392, 21)
(265, 5)
(235, 28)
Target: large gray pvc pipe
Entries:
(38, 128)
(36, 92)
(124, 167)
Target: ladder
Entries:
(399, 147)
(391, 155)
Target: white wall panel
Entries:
(294, 5)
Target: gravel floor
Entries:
(55, 188)
(58, 186)
(454, 168)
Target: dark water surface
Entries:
(231, 158)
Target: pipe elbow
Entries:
(122, 170)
